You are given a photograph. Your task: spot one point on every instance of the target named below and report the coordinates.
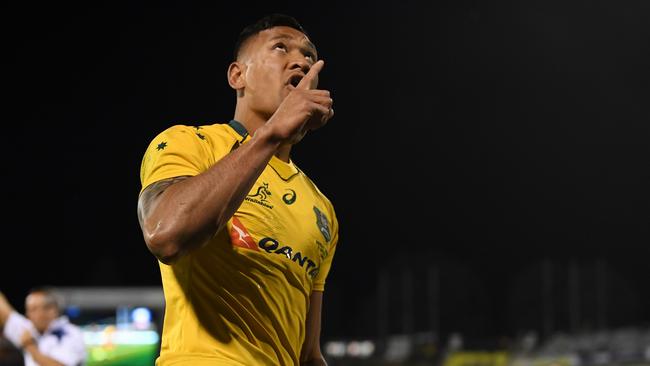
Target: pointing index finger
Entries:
(307, 81)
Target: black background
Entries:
(483, 138)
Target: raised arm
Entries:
(5, 309)
(180, 214)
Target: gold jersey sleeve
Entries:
(243, 298)
(178, 151)
(327, 254)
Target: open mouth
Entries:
(295, 80)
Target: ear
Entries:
(236, 75)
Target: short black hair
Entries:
(268, 21)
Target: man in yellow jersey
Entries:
(243, 237)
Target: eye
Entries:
(310, 56)
(280, 46)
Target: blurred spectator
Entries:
(45, 337)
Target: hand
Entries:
(304, 109)
(26, 339)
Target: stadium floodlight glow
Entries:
(366, 349)
(141, 317)
(353, 349)
(360, 349)
(110, 335)
(335, 349)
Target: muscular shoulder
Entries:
(205, 133)
(174, 139)
(182, 150)
(220, 137)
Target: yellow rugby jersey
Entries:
(243, 298)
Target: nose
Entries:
(300, 64)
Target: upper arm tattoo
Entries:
(150, 194)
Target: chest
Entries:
(284, 218)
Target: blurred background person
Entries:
(45, 336)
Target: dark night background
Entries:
(487, 140)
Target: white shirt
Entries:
(62, 341)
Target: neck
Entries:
(249, 118)
(252, 121)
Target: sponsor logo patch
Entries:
(261, 197)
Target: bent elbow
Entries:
(165, 250)
(167, 256)
(169, 243)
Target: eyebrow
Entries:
(310, 45)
